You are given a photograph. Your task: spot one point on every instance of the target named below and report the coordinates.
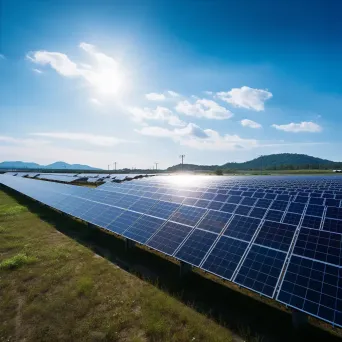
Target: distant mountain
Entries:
(18, 165)
(282, 161)
(54, 166)
(62, 165)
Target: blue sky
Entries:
(139, 82)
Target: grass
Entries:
(55, 289)
(17, 261)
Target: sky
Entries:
(140, 82)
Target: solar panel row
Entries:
(259, 251)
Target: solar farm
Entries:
(79, 178)
(279, 237)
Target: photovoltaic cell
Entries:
(331, 225)
(258, 212)
(188, 215)
(144, 228)
(275, 235)
(122, 222)
(315, 210)
(214, 221)
(163, 209)
(225, 257)
(319, 245)
(313, 287)
(242, 227)
(291, 218)
(169, 237)
(335, 213)
(296, 208)
(313, 222)
(261, 269)
(279, 205)
(229, 208)
(196, 246)
(274, 215)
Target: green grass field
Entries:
(54, 289)
(63, 281)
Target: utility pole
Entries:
(156, 166)
(182, 156)
(114, 166)
(261, 164)
(108, 167)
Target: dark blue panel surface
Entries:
(258, 212)
(319, 245)
(261, 269)
(215, 221)
(291, 218)
(331, 225)
(144, 228)
(274, 215)
(315, 210)
(242, 227)
(296, 208)
(121, 223)
(105, 217)
(279, 205)
(313, 287)
(229, 208)
(276, 235)
(196, 246)
(163, 209)
(169, 237)
(335, 213)
(225, 257)
(313, 222)
(188, 215)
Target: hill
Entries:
(282, 161)
(18, 165)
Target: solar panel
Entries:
(278, 236)
(144, 228)
(261, 269)
(242, 227)
(196, 246)
(313, 287)
(188, 215)
(169, 237)
(214, 221)
(319, 245)
(275, 235)
(225, 256)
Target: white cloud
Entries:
(158, 114)
(246, 97)
(305, 126)
(95, 101)
(37, 71)
(204, 108)
(204, 139)
(208, 92)
(105, 75)
(155, 97)
(21, 141)
(173, 93)
(97, 140)
(250, 123)
(161, 96)
(191, 130)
